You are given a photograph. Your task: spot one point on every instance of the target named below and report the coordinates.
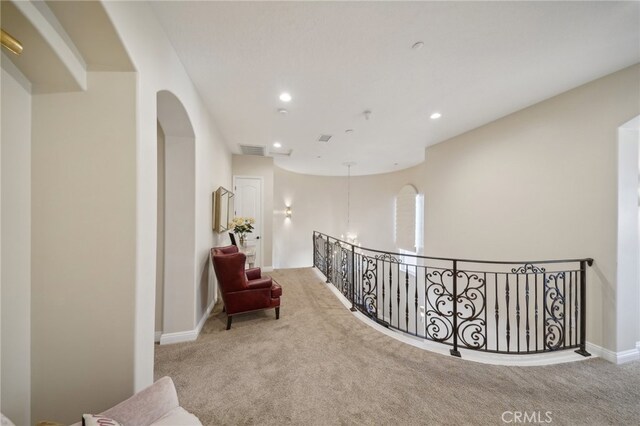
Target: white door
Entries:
(248, 203)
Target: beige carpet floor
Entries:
(319, 365)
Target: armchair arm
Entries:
(253, 273)
(259, 283)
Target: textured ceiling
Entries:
(480, 61)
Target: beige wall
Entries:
(538, 184)
(15, 228)
(160, 69)
(254, 166)
(160, 227)
(83, 247)
(317, 203)
(320, 203)
(94, 230)
(179, 266)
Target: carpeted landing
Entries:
(319, 365)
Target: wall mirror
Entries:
(222, 209)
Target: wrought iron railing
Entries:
(502, 307)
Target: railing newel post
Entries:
(455, 351)
(583, 307)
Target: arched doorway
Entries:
(175, 257)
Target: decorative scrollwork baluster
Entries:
(527, 268)
(564, 311)
(471, 302)
(345, 276)
(439, 303)
(369, 286)
(554, 308)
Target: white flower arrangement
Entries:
(242, 226)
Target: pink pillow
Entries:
(98, 420)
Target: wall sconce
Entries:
(287, 212)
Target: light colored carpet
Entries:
(319, 365)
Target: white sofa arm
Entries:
(146, 406)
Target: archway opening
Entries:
(175, 254)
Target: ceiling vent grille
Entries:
(324, 138)
(281, 153)
(253, 150)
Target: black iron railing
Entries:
(502, 307)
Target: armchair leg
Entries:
(224, 309)
(278, 312)
(229, 318)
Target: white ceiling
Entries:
(480, 61)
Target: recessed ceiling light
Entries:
(417, 45)
(435, 115)
(277, 145)
(285, 97)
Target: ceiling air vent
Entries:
(253, 150)
(281, 153)
(324, 138)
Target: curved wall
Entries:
(320, 203)
(538, 184)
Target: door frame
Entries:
(261, 209)
(627, 291)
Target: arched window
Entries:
(409, 219)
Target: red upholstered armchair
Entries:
(243, 290)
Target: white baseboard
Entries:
(205, 316)
(187, 336)
(157, 336)
(267, 268)
(178, 337)
(614, 357)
